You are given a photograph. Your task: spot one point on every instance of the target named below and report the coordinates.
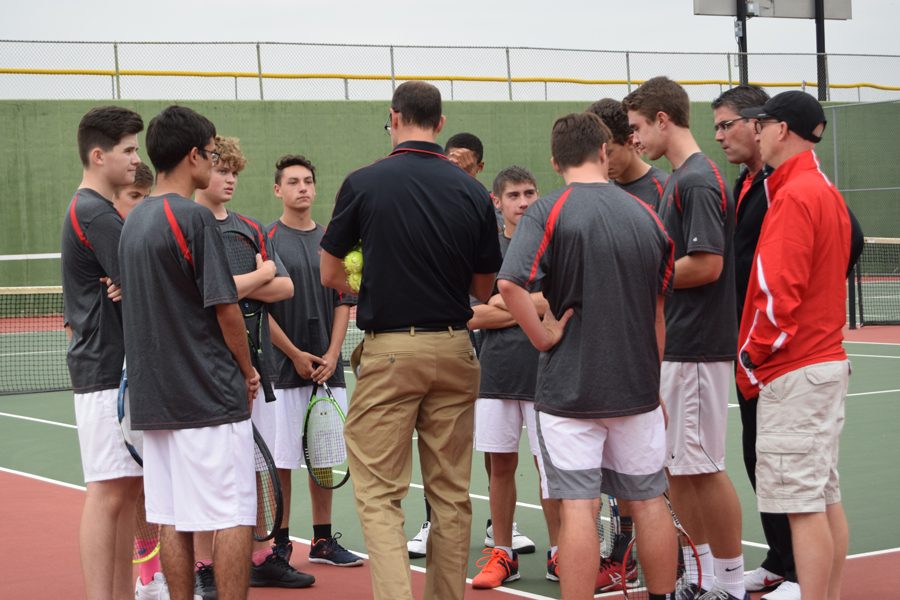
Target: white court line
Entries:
(874, 343)
(43, 421)
(874, 356)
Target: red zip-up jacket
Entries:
(794, 311)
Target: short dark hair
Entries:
(103, 127)
(419, 104)
(613, 116)
(468, 141)
(660, 94)
(512, 174)
(741, 97)
(577, 136)
(173, 133)
(293, 160)
(143, 176)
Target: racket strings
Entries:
(267, 495)
(146, 535)
(325, 431)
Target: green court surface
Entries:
(37, 436)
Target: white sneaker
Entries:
(761, 579)
(416, 546)
(788, 590)
(157, 589)
(521, 543)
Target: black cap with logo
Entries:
(799, 110)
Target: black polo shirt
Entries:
(426, 226)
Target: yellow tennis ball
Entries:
(354, 280)
(353, 262)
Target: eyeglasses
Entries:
(758, 125)
(387, 125)
(724, 126)
(212, 155)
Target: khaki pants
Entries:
(427, 382)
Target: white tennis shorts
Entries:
(103, 452)
(200, 479)
(498, 425)
(291, 409)
(265, 416)
(696, 396)
(620, 456)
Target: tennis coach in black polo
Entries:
(429, 239)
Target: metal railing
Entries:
(286, 71)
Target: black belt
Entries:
(413, 329)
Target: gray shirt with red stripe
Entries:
(181, 373)
(649, 187)
(89, 246)
(698, 212)
(308, 317)
(596, 249)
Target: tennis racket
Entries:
(613, 546)
(324, 449)
(608, 525)
(688, 574)
(241, 250)
(269, 501)
(146, 535)
(134, 440)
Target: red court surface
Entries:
(39, 552)
(39, 556)
(877, 334)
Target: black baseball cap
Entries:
(799, 110)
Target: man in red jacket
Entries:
(790, 340)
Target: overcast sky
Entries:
(667, 25)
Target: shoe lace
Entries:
(494, 558)
(553, 564)
(283, 550)
(206, 575)
(279, 561)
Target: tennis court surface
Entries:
(42, 496)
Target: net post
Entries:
(851, 297)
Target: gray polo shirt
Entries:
(596, 249)
(698, 213)
(181, 374)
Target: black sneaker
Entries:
(275, 571)
(330, 552)
(205, 582)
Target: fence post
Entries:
(833, 125)
(628, 70)
(116, 59)
(728, 62)
(259, 71)
(393, 73)
(346, 89)
(851, 297)
(508, 74)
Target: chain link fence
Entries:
(287, 71)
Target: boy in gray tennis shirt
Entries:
(604, 262)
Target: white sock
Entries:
(707, 568)
(730, 575)
(553, 551)
(509, 551)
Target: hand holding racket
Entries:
(243, 256)
(324, 449)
